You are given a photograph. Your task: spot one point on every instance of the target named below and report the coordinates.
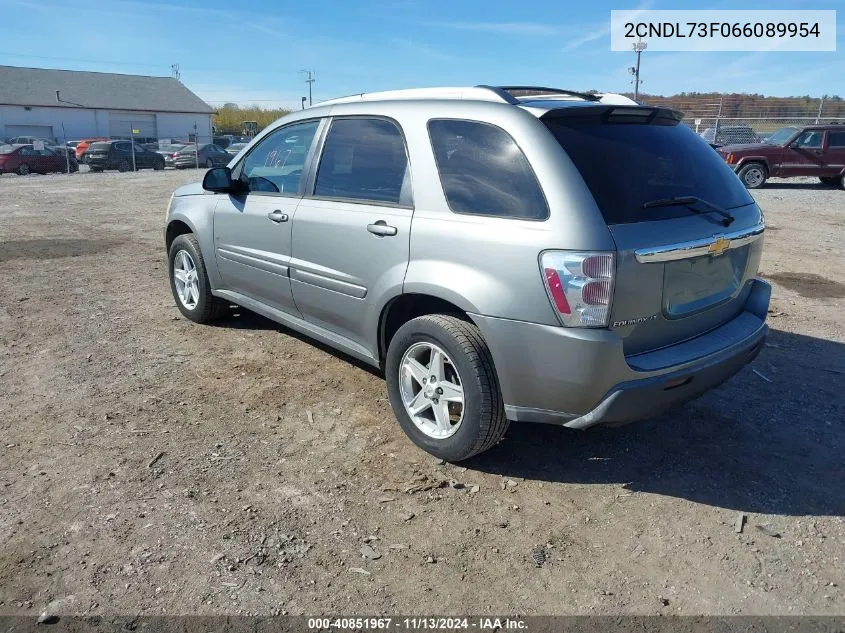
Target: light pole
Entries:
(639, 47)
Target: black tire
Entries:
(209, 163)
(94, 169)
(123, 165)
(208, 307)
(24, 170)
(753, 175)
(158, 165)
(832, 181)
(484, 422)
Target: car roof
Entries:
(536, 99)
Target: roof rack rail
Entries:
(506, 92)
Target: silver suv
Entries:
(502, 253)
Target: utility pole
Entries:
(310, 79)
(174, 72)
(821, 105)
(639, 47)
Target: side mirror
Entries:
(218, 180)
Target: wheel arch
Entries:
(175, 228)
(747, 160)
(406, 306)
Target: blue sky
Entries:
(251, 50)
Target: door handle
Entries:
(278, 216)
(382, 229)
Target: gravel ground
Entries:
(149, 465)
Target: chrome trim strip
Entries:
(697, 248)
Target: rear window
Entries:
(99, 146)
(626, 164)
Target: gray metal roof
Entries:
(106, 91)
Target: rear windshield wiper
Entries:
(688, 201)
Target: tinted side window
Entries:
(484, 172)
(363, 159)
(275, 164)
(836, 139)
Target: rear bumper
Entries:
(581, 378)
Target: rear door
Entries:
(252, 230)
(678, 273)
(835, 152)
(143, 157)
(351, 237)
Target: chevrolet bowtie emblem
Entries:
(719, 246)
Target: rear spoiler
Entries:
(618, 114)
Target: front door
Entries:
(351, 237)
(805, 155)
(252, 230)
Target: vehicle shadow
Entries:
(786, 184)
(769, 442)
(242, 319)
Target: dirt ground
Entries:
(149, 465)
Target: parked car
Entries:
(578, 260)
(808, 150)
(29, 140)
(172, 148)
(118, 155)
(209, 156)
(234, 148)
(222, 142)
(730, 135)
(82, 147)
(52, 144)
(25, 159)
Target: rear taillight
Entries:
(730, 159)
(580, 286)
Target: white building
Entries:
(38, 101)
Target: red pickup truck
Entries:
(809, 150)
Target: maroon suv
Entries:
(809, 150)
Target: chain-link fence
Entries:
(729, 119)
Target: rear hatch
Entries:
(98, 152)
(682, 267)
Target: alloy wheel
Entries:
(185, 278)
(431, 390)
